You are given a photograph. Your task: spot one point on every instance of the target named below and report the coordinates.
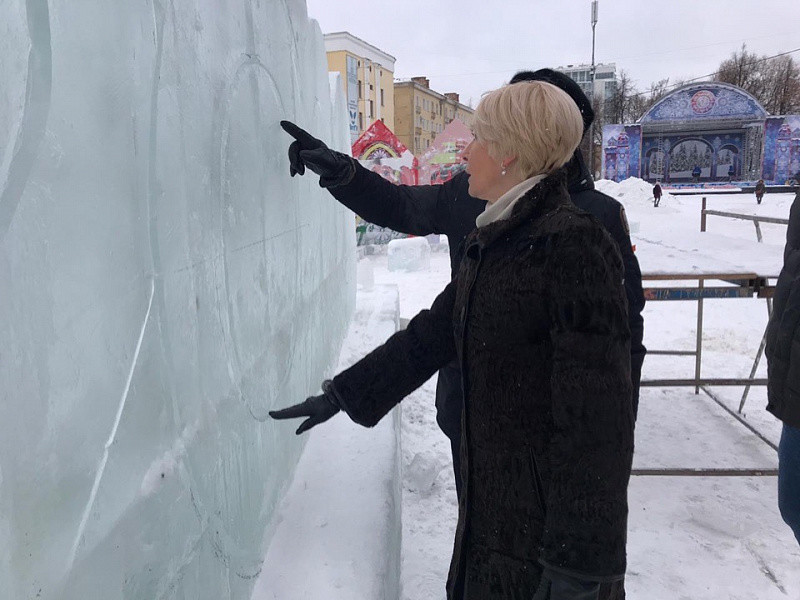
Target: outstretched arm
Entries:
(418, 210)
(375, 384)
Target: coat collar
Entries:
(531, 206)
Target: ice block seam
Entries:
(101, 469)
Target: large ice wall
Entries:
(163, 284)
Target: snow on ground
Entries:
(698, 538)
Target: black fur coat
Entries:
(537, 318)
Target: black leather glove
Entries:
(318, 409)
(334, 168)
(558, 586)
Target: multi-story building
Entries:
(367, 75)
(421, 114)
(605, 79)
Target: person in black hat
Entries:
(449, 209)
(537, 319)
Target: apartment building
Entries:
(368, 77)
(605, 79)
(421, 113)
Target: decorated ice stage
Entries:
(703, 133)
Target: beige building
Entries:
(367, 75)
(421, 114)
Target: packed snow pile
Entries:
(630, 190)
(411, 254)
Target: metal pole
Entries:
(699, 346)
(760, 353)
(703, 215)
(591, 96)
(758, 230)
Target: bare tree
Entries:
(774, 82)
(782, 83)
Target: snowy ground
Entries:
(698, 538)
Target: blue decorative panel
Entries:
(707, 101)
(674, 158)
(781, 149)
(622, 151)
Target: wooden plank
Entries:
(701, 381)
(744, 217)
(700, 472)
(687, 293)
(745, 276)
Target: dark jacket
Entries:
(657, 191)
(537, 319)
(783, 330)
(449, 209)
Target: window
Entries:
(383, 103)
(371, 108)
(361, 121)
(360, 90)
(417, 100)
(427, 143)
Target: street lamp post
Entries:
(591, 98)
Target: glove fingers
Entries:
(296, 166)
(301, 135)
(306, 425)
(292, 412)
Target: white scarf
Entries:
(502, 208)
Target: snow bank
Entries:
(411, 254)
(632, 189)
(339, 526)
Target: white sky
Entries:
(473, 46)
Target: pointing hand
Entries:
(318, 409)
(334, 168)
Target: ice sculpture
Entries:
(163, 283)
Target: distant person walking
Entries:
(760, 189)
(783, 362)
(657, 193)
(696, 172)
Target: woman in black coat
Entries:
(537, 319)
(783, 362)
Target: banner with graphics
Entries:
(380, 151)
(781, 149)
(622, 151)
(442, 161)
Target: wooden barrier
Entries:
(756, 219)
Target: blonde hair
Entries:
(534, 121)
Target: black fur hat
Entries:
(562, 81)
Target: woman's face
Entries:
(486, 179)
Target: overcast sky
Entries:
(472, 46)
